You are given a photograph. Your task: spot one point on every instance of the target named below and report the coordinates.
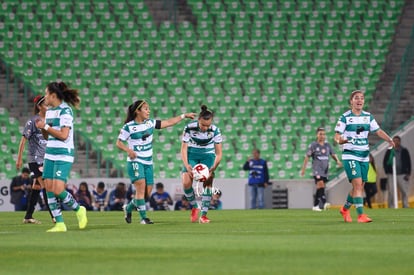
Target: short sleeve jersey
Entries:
(320, 158)
(56, 149)
(201, 142)
(139, 137)
(356, 128)
(36, 141)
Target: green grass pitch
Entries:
(235, 242)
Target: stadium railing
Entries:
(398, 85)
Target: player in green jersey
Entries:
(352, 131)
(57, 128)
(201, 143)
(137, 132)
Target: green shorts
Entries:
(56, 169)
(356, 169)
(139, 171)
(207, 159)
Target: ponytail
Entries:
(205, 113)
(132, 108)
(63, 92)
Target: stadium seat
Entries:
(238, 58)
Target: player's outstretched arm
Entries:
(174, 120)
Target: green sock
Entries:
(205, 201)
(189, 194)
(349, 202)
(141, 208)
(130, 206)
(359, 205)
(56, 212)
(69, 200)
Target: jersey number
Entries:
(352, 164)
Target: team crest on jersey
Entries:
(366, 119)
(323, 151)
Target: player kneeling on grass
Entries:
(201, 143)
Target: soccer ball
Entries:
(201, 172)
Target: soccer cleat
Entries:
(146, 221)
(316, 208)
(194, 214)
(82, 219)
(345, 214)
(33, 221)
(59, 227)
(326, 206)
(128, 216)
(363, 218)
(203, 219)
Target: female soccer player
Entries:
(201, 143)
(35, 154)
(57, 128)
(352, 132)
(138, 133)
(319, 151)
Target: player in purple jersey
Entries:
(36, 152)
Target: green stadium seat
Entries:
(238, 57)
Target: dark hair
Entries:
(320, 129)
(397, 137)
(63, 92)
(159, 185)
(101, 185)
(83, 183)
(205, 113)
(37, 101)
(25, 170)
(137, 105)
(120, 191)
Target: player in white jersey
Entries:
(137, 132)
(201, 143)
(352, 132)
(57, 128)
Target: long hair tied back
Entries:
(63, 92)
(132, 108)
(38, 100)
(205, 113)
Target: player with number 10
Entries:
(135, 138)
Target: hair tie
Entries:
(140, 105)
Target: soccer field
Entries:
(235, 242)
